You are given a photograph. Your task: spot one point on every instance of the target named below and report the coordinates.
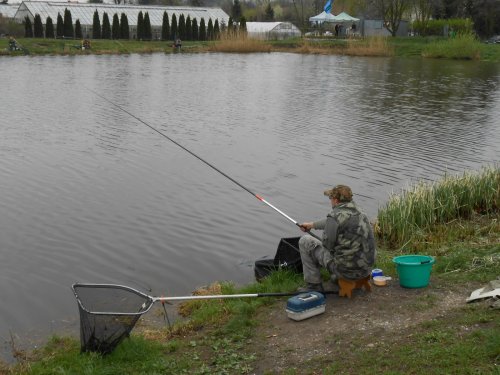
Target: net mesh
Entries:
(107, 314)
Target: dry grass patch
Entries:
(372, 46)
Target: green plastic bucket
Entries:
(414, 270)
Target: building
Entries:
(84, 12)
(272, 30)
(8, 10)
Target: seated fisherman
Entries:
(347, 249)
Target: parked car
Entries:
(494, 40)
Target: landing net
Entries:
(107, 314)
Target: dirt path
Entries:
(281, 343)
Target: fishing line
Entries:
(200, 159)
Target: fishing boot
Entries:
(310, 287)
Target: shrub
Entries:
(28, 28)
(115, 28)
(165, 27)
(78, 30)
(417, 209)
(463, 47)
(124, 29)
(438, 27)
(173, 27)
(37, 26)
(96, 26)
(59, 26)
(106, 27)
(49, 28)
(68, 24)
(148, 35)
(140, 26)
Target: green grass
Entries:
(462, 47)
(216, 337)
(420, 210)
(414, 47)
(467, 342)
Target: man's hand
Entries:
(306, 227)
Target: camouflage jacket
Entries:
(348, 235)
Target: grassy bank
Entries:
(461, 47)
(220, 336)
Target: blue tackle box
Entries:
(305, 305)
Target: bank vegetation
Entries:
(455, 219)
(463, 46)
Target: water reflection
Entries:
(90, 194)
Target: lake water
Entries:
(90, 194)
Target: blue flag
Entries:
(328, 6)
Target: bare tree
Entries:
(392, 12)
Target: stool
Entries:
(346, 286)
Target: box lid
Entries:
(305, 301)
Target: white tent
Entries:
(328, 17)
(322, 17)
(344, 17)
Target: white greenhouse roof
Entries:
(8, 11)
(267, 27)
(85, 12)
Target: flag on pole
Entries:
(328, 6)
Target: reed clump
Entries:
(461, 47)
(371, 46)
(239, 43)
(411, 215)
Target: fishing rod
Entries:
(260, 198)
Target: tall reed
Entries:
(462, 47)
(371, 46)
(239, 44)
(410, 216)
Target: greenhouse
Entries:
(272, 30)
(84, 12)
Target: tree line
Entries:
(183, 28)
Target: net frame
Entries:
(100, 330)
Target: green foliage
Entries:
(140, 26)
(182, 27)
(115, 28)
(269, 12)
(59, 26)
(148, 35)
(78, 30)
(412, 214)
(243, 27)
(210, 30)
(124, 28)
(203, 30)
(106, 27)
(69, 32)
(216, 30)
(28, 28)
(236, 10)
(37, 27)
(194, 27)
(96, 26)
(438, 26)
(189, 29)
(165, 27)
(462, 47)
(49, 28)
(173, 27)
(10, 27)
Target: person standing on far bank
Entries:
(347, 249)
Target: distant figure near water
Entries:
(177, 43)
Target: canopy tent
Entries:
(344, 17)
(323, 17)
(328, 17)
